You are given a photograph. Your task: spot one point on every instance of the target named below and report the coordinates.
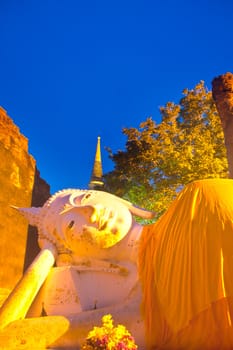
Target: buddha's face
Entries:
(100, 224)
(74, 219)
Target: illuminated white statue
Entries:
(93, 238)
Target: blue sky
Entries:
(73, 70)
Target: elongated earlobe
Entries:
(142, 213)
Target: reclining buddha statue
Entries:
(170, 282)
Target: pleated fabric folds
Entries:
(186, 270)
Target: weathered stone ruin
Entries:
(20, 185)
(222, 90)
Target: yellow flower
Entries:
(109, 337)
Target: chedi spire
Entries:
(96, 181)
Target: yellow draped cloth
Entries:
(186, 270)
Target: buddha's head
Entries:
(75, 218)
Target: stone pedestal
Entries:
(72, 289)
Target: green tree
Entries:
(159, 159)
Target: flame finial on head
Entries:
(31, 214)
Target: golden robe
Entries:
(186, 270)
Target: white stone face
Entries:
(75, 220)
(95, 225)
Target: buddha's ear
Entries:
(137, 211)
(142, 213)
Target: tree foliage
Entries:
(159, 159)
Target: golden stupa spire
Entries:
(96, 181)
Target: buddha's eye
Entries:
(71, 224)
